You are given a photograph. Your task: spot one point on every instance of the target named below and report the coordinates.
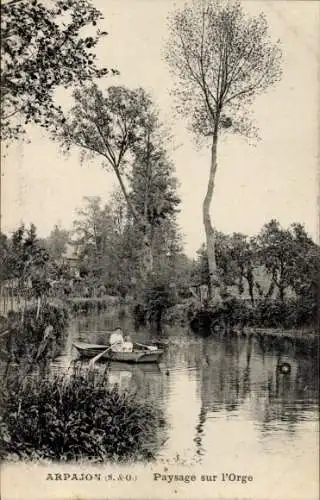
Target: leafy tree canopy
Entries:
(56, 243)
(26, 260)
(222, 58)
(44, 45)
(107, 125)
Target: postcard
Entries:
(159, 250)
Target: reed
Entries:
(76, 417)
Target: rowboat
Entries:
(86, 350)
(160, 343)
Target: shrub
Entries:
(27, 332)
(139, 314)
(178, 314)
(76, 418)
(222, 315)
(157, 295)
(293, 313)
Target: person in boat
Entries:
(116, 340)
(120, 343)
(128, 344)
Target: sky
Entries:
(278, 177)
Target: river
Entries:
(226, 404)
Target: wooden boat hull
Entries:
(160, 343)
(140, 356)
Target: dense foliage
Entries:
(27, 262)
(28, 266)
(273, 276)
(56, 243)
(42, 48)
(158, 293)
(120, 127)
(27, 341)
(109, 241)
(27, 274)
(76, 418)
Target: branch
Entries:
(203, 75)
(236, 70)
(80, 144)
(192, 73)
(251, 88)
(219, 78)
(10, 3)
(204, 85)
(111, 158)
(125, 194)
(147, 190)
(224, 72)
(6, 117)
(123, 148)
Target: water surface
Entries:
(227, 406)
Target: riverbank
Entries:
(186, 314)
(290, 334)
(183, 314)
(236, 315)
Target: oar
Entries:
(141, 345)
(146, 346)
(98, 356)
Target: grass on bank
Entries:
(76, 418)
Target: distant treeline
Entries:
(268, 279)
(276, 276)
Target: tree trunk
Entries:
(146, 253)
(250, 281)
(209, 231)
(38, 307)
(147, 257)
(281, 293)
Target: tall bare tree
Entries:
(222, 58)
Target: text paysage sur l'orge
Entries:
(223, 477)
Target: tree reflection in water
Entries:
(233, 371)
(218, 389)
